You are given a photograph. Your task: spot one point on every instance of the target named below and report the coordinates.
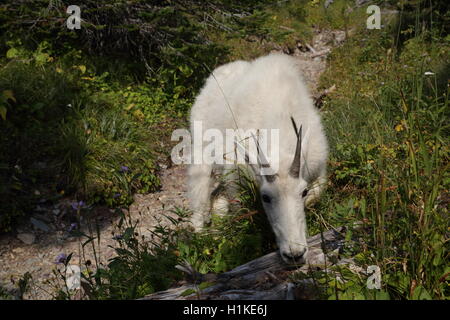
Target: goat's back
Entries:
(262, 94)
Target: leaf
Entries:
(41, 58)
(69, 257)
(129, 107)
(9, 95)
(139, 114)
(12, 53)
(420, 293)
(87, 241)
(187, 292)
(185, 70)
(128, 234)
(205, 285)
(122, 252)
(382, 295)
(3, 112)
(82, 69)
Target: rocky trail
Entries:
(36, 245)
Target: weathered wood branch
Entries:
(265, 278)
(318, 99)
(320, 53)
(310, 48)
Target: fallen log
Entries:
(265, 278)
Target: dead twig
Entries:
(318, 99)
(320, 53)
(310, 48)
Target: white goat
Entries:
(266, 93)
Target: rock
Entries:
(27, 238)
(16, 251)
(39, 225)
(42, 217)
(316, 257)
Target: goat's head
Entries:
(283, 196)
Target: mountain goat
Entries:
(266, 93)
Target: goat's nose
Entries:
(294, 257)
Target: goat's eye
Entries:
(305, 192)
(266, 198)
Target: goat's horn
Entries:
(294, 171)
(295, 127)
(262, 161)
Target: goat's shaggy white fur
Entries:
(264, 94)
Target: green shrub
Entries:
(107, 155)
(36, 100)
(66, 130)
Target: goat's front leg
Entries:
(199, 188)
(226, 190)
(316, 189)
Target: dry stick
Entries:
(287, 28)
(310, 48)
(320, 53)
(318, 99)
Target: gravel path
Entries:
(35, 250)
(35, 245)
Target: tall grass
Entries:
(107, 156)
(388, 129)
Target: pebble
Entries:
(27, 238)
(39, 224)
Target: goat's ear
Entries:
(260, 159)
(263, 163)
(239, 148)
(295, 127)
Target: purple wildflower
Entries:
(61, 258)
(124, 169)
(78, 205)
(118, 237)
(116, 195)
(73, 226)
